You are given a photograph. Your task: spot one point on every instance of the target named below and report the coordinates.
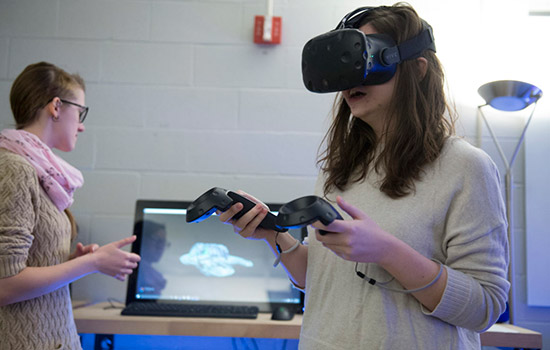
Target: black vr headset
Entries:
(346, 57)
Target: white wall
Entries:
(537, 194)
(182, 100)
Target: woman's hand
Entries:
(113, 261)
(295, 263)
(83, 250)
(247, 225)
(360, 239)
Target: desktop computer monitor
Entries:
(205, 262)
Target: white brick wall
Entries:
(181, 100)
(4, 42)
(83, 57)
(28, 18)
(199, 22)
(104, 19)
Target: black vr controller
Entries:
(218, 198)
(300, 212)
(306, 210)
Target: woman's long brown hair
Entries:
(74, 226)
(416, 126)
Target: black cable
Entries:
(406, 291)
(112, 305)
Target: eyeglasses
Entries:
(83, 110)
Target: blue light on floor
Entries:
(151, 342)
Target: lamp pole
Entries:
(508, 186)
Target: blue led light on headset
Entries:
(346, 57)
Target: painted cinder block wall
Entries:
(181, 100)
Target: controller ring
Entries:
(305, 211)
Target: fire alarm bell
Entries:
(267, 29)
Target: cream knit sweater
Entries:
(457, 217)
(33, 232)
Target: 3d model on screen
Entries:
(213, 259)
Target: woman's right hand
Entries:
(247, 225)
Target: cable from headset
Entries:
(280, 251)
(406, 291)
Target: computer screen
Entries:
(204, 262)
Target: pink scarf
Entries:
(58, 178)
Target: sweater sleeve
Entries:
(19, 193)
(476, 248)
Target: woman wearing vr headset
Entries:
(36, 226)
(420, 259)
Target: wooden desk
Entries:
(511, 336)
(98, 320)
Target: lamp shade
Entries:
(509, 95)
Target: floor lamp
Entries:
(509, 95)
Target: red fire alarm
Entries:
(267, 31)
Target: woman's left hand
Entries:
(360, 239)
(83, 250)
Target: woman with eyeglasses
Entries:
(36, 226)
(420, 259)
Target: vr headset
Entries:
(346, 57)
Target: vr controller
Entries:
(297, 213)
(306, 210)
(218, 198)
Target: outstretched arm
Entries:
(33, 282)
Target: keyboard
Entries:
(190, 310)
